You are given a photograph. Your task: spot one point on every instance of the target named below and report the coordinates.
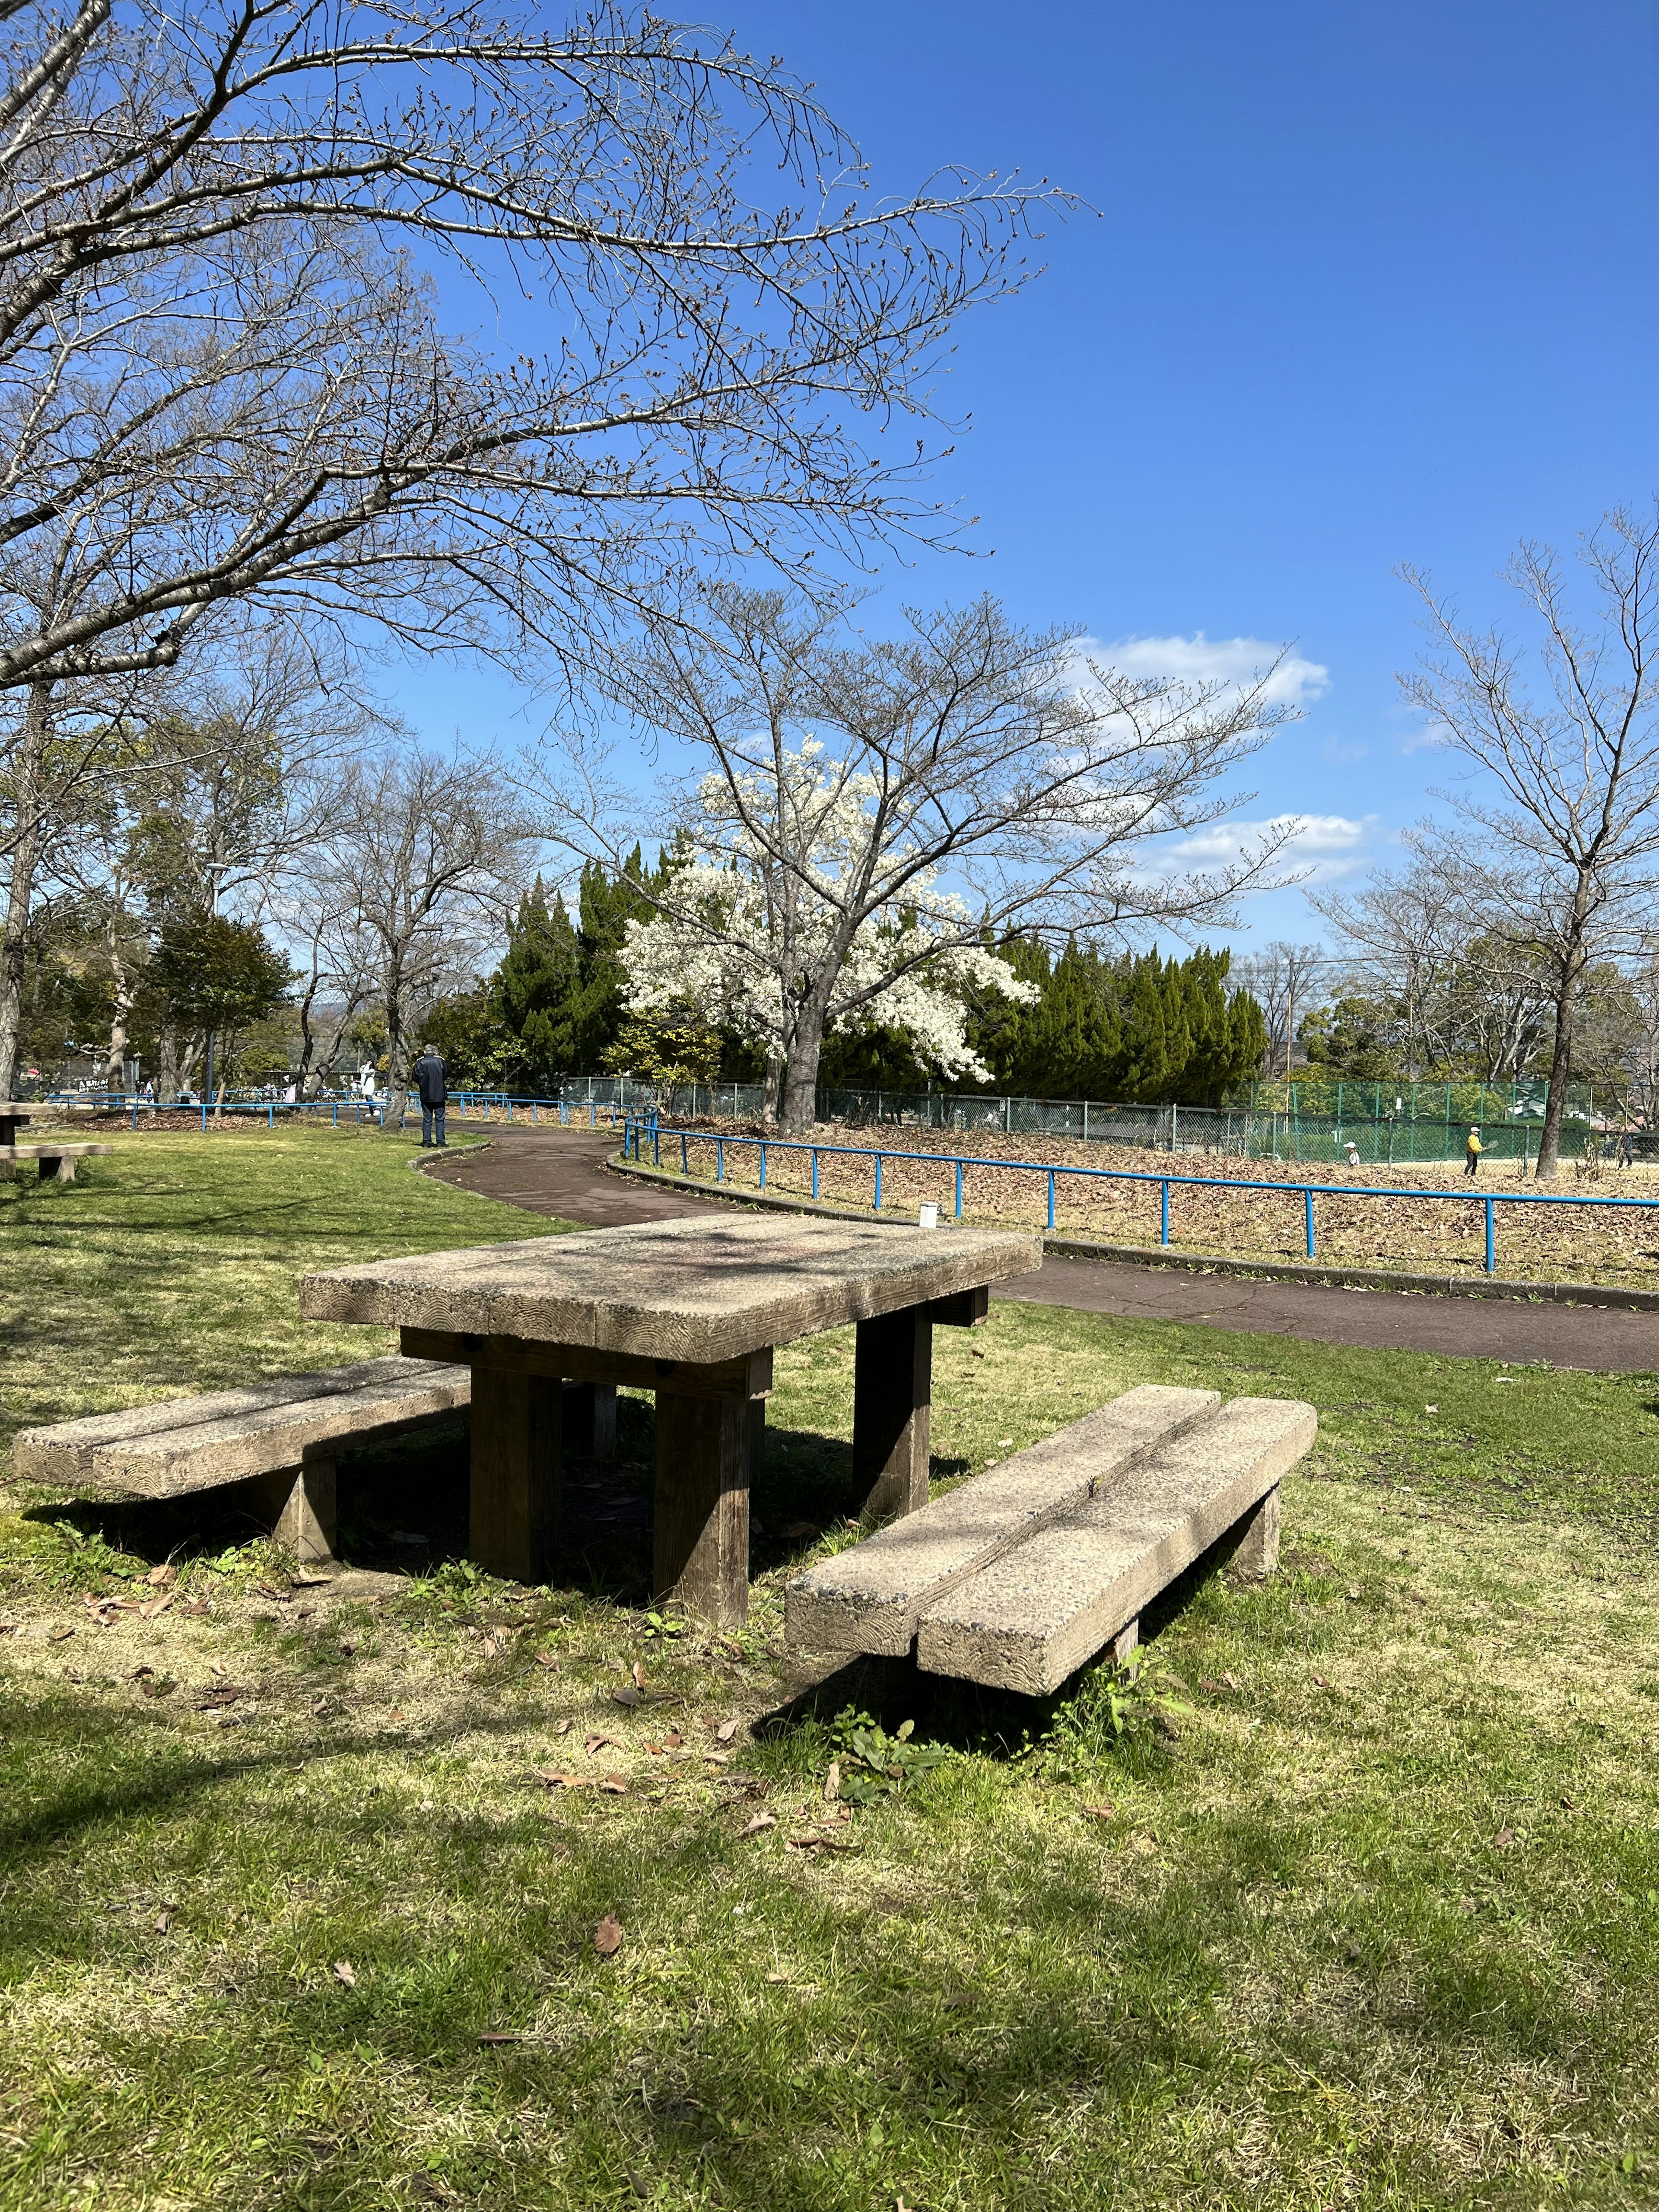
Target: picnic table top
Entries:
(18, 1110)
(693, 1290)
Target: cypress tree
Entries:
(534, 989)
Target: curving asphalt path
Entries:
(562, 1173)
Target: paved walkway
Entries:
(562, 1173)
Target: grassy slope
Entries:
(1379, 1928)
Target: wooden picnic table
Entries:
(690, 1309)
(13, 1114)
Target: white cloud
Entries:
(1200, 659)
(1327, 845)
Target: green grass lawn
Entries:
(1373, 1922)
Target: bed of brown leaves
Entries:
(1557, 1240)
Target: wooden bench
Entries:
(1017, 1578)
(280, 1437)
(56, 1160)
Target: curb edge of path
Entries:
(1202, 1263)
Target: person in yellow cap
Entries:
(1472, 1152)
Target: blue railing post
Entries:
(959, 1190)
(1306, 1196)
(719, 1159)
(656, 1145)
(878, 1182)
(1163, 1223)
(592, 1115)
(337, 1112)
(763, 1161)
(1051, 1198)
(815, 1171)
(204, 1117)
(1491, 1239)
(685, 1162)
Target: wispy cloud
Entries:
(1327, 845)
(1234, 661)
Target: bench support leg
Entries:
(892, 1390)
(1126, 1640)
(700, 1534)
(1256, 1555)
(516, 1424)
(57, 1169)
(301, 1503)
(590, 1420)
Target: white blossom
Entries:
(736, 921)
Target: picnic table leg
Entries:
(516, 1424)
(590, 1419)
(700, 1538)
(57, 1167)
(892, 1390)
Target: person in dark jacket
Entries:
(432, 1081)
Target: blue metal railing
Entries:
(638, 1129)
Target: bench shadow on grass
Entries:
(403, 1508)
(969, 1716)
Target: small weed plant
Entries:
(874, 1765)
(1115, 1707)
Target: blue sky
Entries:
(1366, 285)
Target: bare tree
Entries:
(1283, 979)
(217, 376)
(872, 811)
(1568, 845)
(428, 855)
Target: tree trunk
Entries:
(27, 778)
(798, 1103)
(1555, 1100)
(397, 1059)
(126, 990)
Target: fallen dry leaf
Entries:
(1503, 1838)
(490, 1647)
(832, 1783)
(777, 1977)
(301, 1580)
(343, 1973)
(725, 1731)
(164, 1918)
(270, 1589)
(217, 1667)
(1104, 1812)
(607, 1936)
(797, 1528)
(817, 1843)
(59, 1635)
(499, 2035)
(546, 1659)
(158, 1577)
(1568, 1802)
(157, 1605)
(597, 1743)
(639, 1675)
(1146, 1844)
(760, 1822)
(564, 1727)
(216, 1699)
(613, 1785)
(673, 1742)
(1320, 1683)
(199, 1605)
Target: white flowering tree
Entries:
(868, 819)
(740, 924)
